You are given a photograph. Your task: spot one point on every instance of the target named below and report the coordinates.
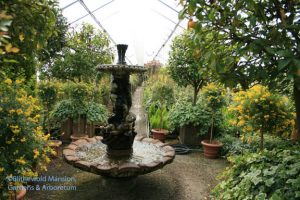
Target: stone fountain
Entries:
(119, 153)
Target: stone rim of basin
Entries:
(125, 169)
(121, 68)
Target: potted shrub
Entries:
(159, 122)
(193, 121)
(66, 110)
(78, 112)
(161, 97)
(213, 95)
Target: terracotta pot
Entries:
(211, 150)
(159, 134)
(21, 194)
(18, 195)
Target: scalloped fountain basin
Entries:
(90, 155)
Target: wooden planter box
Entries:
(76, 129)
(188, 135)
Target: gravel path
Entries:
(189, 177)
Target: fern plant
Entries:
(159, 117)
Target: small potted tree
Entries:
(213, 94)
(188, 66)
(193, 120)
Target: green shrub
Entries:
(78, 92)
(184, 113)
(47, 93)
(23, 144)
(213, 96)
(163, 94)
(159, 88)
(235, 146)
(266, 175)
(65, 109)
(259, 111)
(96, 112)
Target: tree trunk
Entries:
(195, 95)
(212, 129)
(297, 105)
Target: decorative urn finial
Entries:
(121, 53)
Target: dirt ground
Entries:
(189, 177)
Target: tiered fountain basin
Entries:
(111, 68)
(90, 155)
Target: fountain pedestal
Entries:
(119, 153)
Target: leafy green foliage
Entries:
(77, 92)
(259, 111)
(63, 110)
(233, 146)
(23, 144)
(162, 94)
(56, 41)
(96, 112)
(160, 89)
(264, 33)
(261, 40)
(32, 25)
(267, 175)
(5, 46)
(186, 65)
(79, 101)
(85, 50)
(159, 117)
(214, 95)
(47, 93)
(184, 113)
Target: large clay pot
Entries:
(159, 134)
(211, 150)
(21, 194)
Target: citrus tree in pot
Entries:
(214, 97)
(188, 66)
(162, 96)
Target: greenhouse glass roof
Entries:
(147, 26)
